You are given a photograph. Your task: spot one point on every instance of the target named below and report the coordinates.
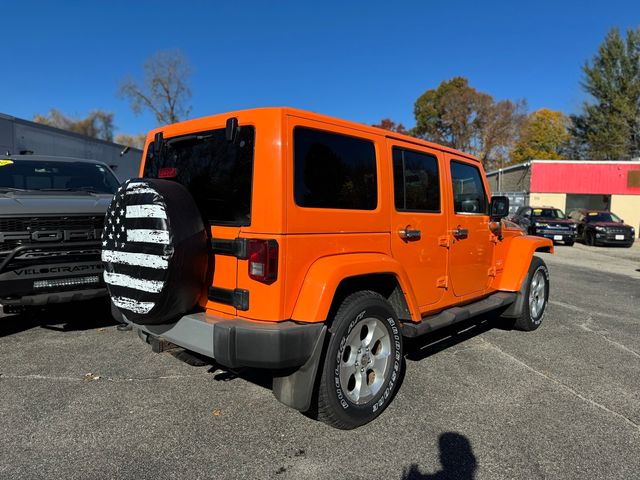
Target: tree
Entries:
(134, 141)
(609, 127)
(544, 136)
(388, 124)
(165, 91)
(457, 115)
(98, 124)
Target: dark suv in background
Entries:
(548, 222)
(599, 227)
(51, 219)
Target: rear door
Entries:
(219, 174)
(471, 253)
(419, 225)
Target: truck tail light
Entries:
(263, 260)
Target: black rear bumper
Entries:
(241, 343)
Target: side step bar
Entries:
(454, 315)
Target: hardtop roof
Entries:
(197, 123)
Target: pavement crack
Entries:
(587, 328)
(565, 387)
(584, 311)
(104, 379)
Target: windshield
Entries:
(218, 173)
(602, 217)
(42, 175)
(547, 213)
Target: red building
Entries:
(569, 184)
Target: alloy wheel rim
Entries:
(537, 294)
(365, 360)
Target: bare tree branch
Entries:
(165, 91)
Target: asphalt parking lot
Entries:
(81, 400)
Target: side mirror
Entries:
(499, 207)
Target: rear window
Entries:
(334, 171)
(217, 173)
(56, 176)
(416, 181)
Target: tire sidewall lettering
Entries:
(545, 271)
(385, 393)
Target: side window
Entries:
(416, 181)
(334, 171)
(468, 191)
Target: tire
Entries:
(590, 239)
(536, 296)
(154, 251)
(365, 330)
(569, 243)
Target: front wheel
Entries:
(536, 296)
(363, 362)
(569, 243)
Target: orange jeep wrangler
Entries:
(310, 246)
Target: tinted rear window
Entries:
(334, 171)
(416, 181)
(217, 173)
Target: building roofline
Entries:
(634, 161)
(61, 131)
(519, 166)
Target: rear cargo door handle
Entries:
(460, 233)
(410, 235)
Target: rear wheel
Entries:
(363, 362)
(536, 296)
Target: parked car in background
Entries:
(599, 227)
(51, 218)
(548, 222)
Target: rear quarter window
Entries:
(334, 171)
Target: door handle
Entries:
(408, 234)
(460, 233)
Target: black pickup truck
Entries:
(51, 218)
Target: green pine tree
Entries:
(609, 128)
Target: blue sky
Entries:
(358, 60)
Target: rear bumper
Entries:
(241, 343)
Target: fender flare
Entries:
(324, 277)
(518, 259)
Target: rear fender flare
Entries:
(324, 277)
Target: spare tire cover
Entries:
(154, 250)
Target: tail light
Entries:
(263, 260)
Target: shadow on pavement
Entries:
(456, 457)
(68, 317)
(422, 347)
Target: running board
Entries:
(454, 315)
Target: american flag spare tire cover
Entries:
(154, 250)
